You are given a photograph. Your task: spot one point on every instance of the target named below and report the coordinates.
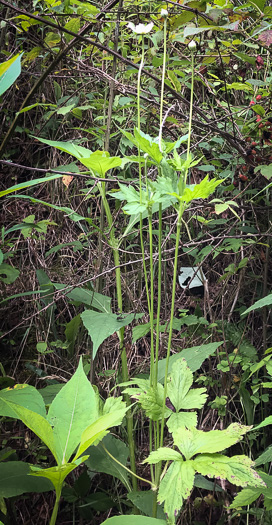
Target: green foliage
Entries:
(178, 480)
(9, 72)
(212, 99)
(73, 420)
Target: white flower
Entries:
(164, 12)
(192, 44)
(140, 29)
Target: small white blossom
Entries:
(140, 29)
(164, 12)
(192, 44)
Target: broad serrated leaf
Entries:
(175, 487)
(245, 497)
(101, 164)
(237, 469)
(195, 398)
(148, 145)
(163, 454)
(179, 382)
(150, 398)
(200, 191)
(71, 412)
(181, 419)
(193, 441)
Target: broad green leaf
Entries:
(28, 184)
(101, 325)
(90, 297)
(98, 429)
(71, 412)
(38, 424)
(68, 147)
(240, 86)
(175, 487)
(181, 419)
(200, 191)
(245, 497)
(71, 333)
(8, 274)
(65, 109)
(163, 454)
(49, 392)
(150, 398)
(204, 483)
(193, 441)
(99, 163)
(133, 520)
(246, 58)
(14, 480)
(237, 469)
(144, 501)
(265, 457)
(9, 72)
(72, 25)
(190, 30)
(178, 384)
(37, 104)
(174, 80)
(264, 423)
(265, 301)
(100, 461)
(56, 475)
(194, 358)
(75, 217)
(22, 395)
(148, 145)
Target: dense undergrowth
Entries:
(135, 262)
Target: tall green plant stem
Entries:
(56, 506)
(125, 374)
(182, 205)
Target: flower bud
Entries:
(192, 45)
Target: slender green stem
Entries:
(179, 222)
(139, 115)
(126, 468)
(151, 313)
(125, 374)
(162, 83)
(191, 107)
(180, 213)
(159, 296)
(53, 518)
